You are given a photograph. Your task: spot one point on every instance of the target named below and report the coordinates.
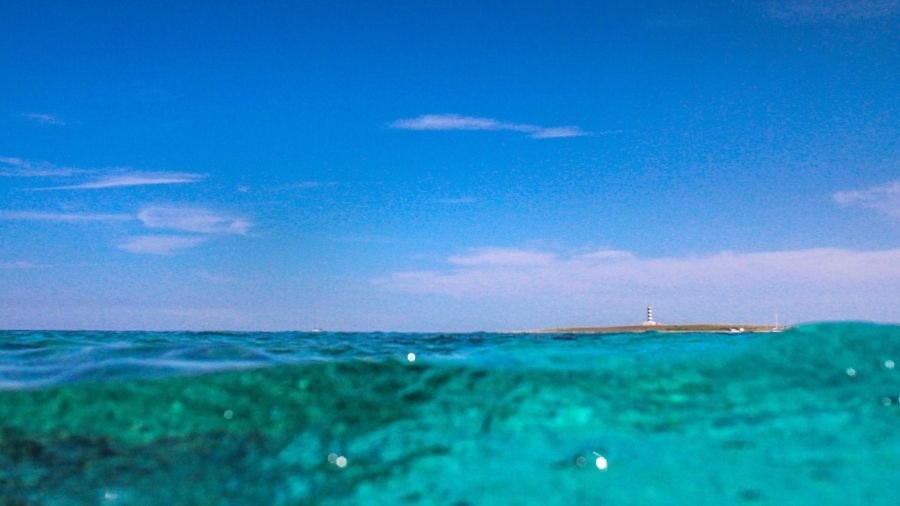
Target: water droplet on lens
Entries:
(889, 364)
(341, 461)
(851, 372)
(228, 414)
(580, 461)
(411, 357)
(332, 458)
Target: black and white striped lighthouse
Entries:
(650, 320)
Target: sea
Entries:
(810, 415)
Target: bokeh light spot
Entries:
(601, 462)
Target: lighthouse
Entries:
(650, 320)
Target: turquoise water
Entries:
(807, 416)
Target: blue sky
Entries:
(447, 165)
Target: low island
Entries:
(651, 325)
(687, 327)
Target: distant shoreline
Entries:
(727, 328)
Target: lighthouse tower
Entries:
(650, 320)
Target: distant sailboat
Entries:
(315, 328)
(777, 327)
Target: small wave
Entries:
(41, 359)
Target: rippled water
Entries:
(807, 416)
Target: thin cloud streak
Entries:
(446, 122)
(558, 132)
(18, 167)
(103, 178)
(160, 244)
(207, 224)
(882, 198)
(511, 272)
(44, 119)
(190, 219)
(132, 179)
(509, 257)
(62, 217)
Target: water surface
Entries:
(807, 416)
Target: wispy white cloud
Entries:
(18, 167)
(503, 257)
(102, 178)
(455, 122)
(511, 272)
(161, 244)
(203, 222)
(815, 11)
(132, 179)
(44, 119)
(192, 219)
(458, 122)
(200, 221)
(540, 288)
(62, 217)
(558, 132)
(606, 254)
(883, 198)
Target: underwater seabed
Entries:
(807, 416)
